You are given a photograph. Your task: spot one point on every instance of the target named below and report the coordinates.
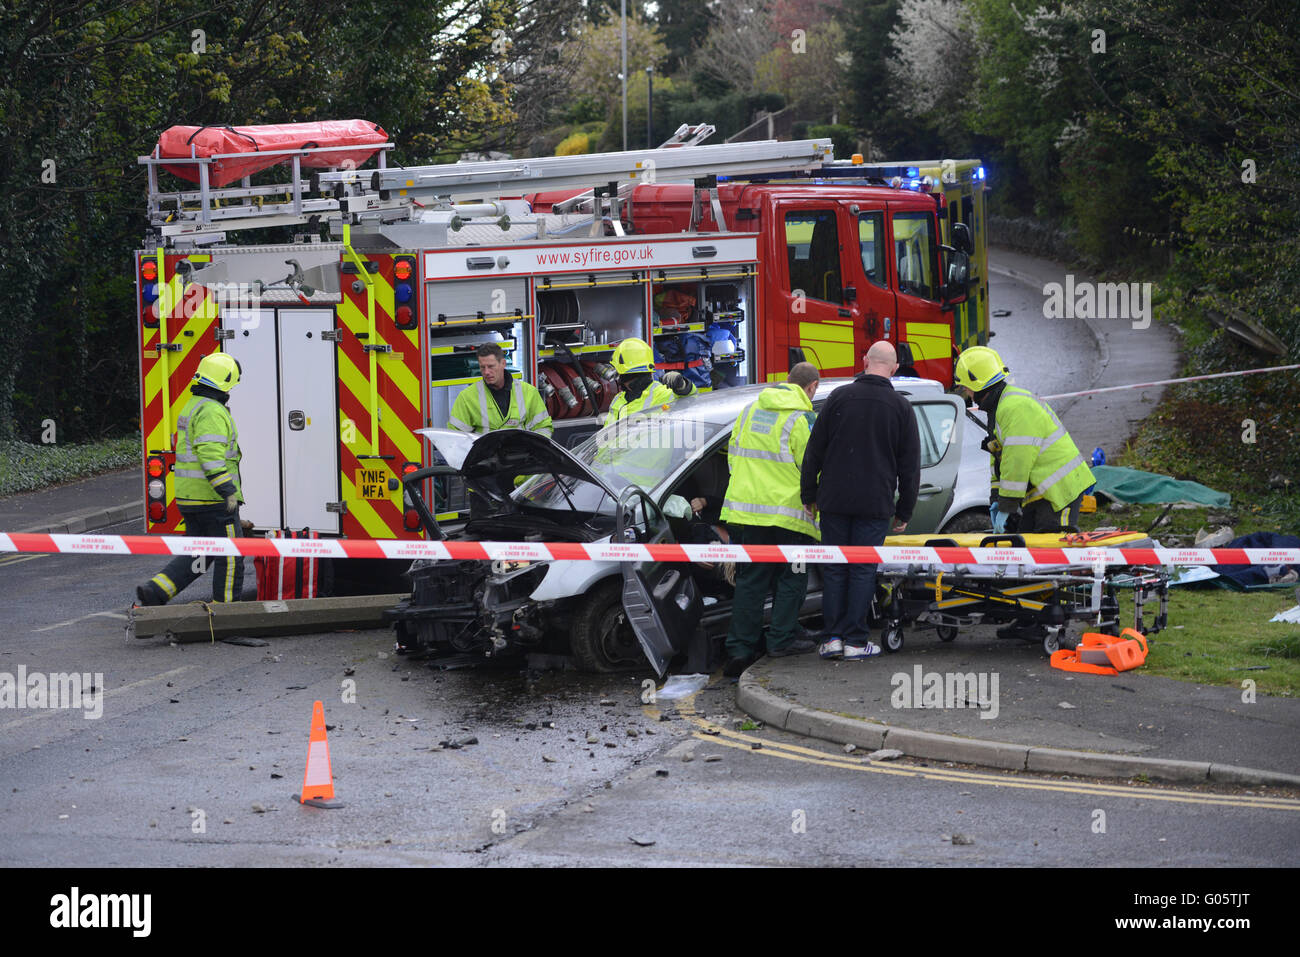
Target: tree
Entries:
(873, 107)
(811, 72)
(683, 25)
(88, 85)
(727, 59)
(933, 64)
(597, 76)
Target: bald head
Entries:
(882, 359)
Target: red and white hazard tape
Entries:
(628, 552)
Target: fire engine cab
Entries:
(357, 325)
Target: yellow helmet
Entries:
(978, 368)
(219, 371)
(633, 356)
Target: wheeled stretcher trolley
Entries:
(1043, 601)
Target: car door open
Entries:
(662, 600)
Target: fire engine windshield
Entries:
(641, 450)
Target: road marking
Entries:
(793, 752)
(107, 694)
(15, 559)
(93, 614)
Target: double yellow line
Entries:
(793, 752)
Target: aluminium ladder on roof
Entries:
(680, 164)
(396, 193)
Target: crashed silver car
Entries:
(630, 482)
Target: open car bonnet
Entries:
(493, 461)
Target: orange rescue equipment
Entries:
(1104, 654)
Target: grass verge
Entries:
(1220, 637)
(25, 467)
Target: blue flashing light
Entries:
(150, 292)
(913, 171)
(979, 173)
(402, 292)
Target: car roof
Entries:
(722, 407)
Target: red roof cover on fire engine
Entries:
(182, 142)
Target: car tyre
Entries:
(971, 520)
(946, 632)
(600, 638)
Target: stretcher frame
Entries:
(1045, 603)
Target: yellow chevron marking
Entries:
(389, 422)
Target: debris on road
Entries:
(885, 754)
(681, 686)
(640, 843)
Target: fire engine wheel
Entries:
(892, 639)
(946, 632)
(601, 639)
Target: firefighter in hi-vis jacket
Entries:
(208, 491)
(634, 361)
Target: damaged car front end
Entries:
(524, 487)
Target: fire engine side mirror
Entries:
(956, 276)
(961, 238)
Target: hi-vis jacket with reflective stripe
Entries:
(207, 454)
(477, 412)
(1039, 459)
(765, 456)
(655, 397)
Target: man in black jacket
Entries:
(864, 446)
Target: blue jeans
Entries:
(847, 589)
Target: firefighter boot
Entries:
(150, 594)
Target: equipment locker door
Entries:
(254, 346)
(308, 419)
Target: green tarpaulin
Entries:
(1131, 485)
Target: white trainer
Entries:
(831, 649)
(856, 652)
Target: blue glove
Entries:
(999, 518)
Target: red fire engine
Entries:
(733, 260)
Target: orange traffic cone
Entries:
(318, 779)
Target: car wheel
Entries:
(601, 638)
(946, 632)
(971, 520)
